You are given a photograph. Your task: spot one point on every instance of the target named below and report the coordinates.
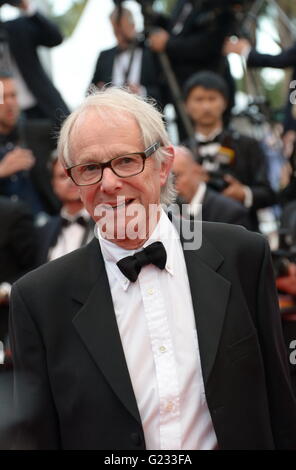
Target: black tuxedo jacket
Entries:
(72, 386)
(18, 240)
(150, 71)
(18, 244)
(250, 168)
(199, 44)
(37, 136)
(218, 208)
(24, 35)
(49, 233)
(287, 58)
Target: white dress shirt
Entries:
(121, 65)
(71, 237)
(157, 328)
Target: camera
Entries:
(216, 181)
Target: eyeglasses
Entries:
(124, 166)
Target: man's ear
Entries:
(166, 165)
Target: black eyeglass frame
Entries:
(147, 153)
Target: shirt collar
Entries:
(197, 199)
(164, 232)
(209, 138)
(72, 217)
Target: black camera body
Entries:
(217, 181)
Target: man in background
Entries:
(235, 164)
(72, 227)
(192, 189)
(129, 63)
(25, 147)
(38, 96)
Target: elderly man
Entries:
(185, 353)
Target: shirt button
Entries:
(162, 349)
(150, 291)
(169, 406)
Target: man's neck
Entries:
(6, 130)
(73, 207)
(209, 130)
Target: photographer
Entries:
(129, 63)
(38, 96)
(193, 39)
(286, 58)
(25, 146)
(235, 164)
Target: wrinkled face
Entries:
(205, 107)
(63, 186)
(9, 108)
(186, 176)
(119, 205)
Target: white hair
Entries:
(120, 101)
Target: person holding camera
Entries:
(130, 63)
(191, 186)
(38, 96)
(235, 164)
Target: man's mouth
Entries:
(116, 204)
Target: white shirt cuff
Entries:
(143, 91)
(5, 289)
(248, 200)
(246, 52)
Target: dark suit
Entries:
(37, 136)
(218, 208)
(149, 71)
(24, 35)
(250, 168)
(18, 243)
(287, 58)
(73, 388)
(199, 44)
(49, 233)
(18, 240)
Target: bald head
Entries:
(187, 173)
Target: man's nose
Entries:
(110, 182)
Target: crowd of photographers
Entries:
(235, 177)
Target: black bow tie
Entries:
(216, 140)
(80, 220)
(152, 254)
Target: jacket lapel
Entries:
(97, 327)
(210, 293)
(96, 322)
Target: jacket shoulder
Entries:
(63, 270)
